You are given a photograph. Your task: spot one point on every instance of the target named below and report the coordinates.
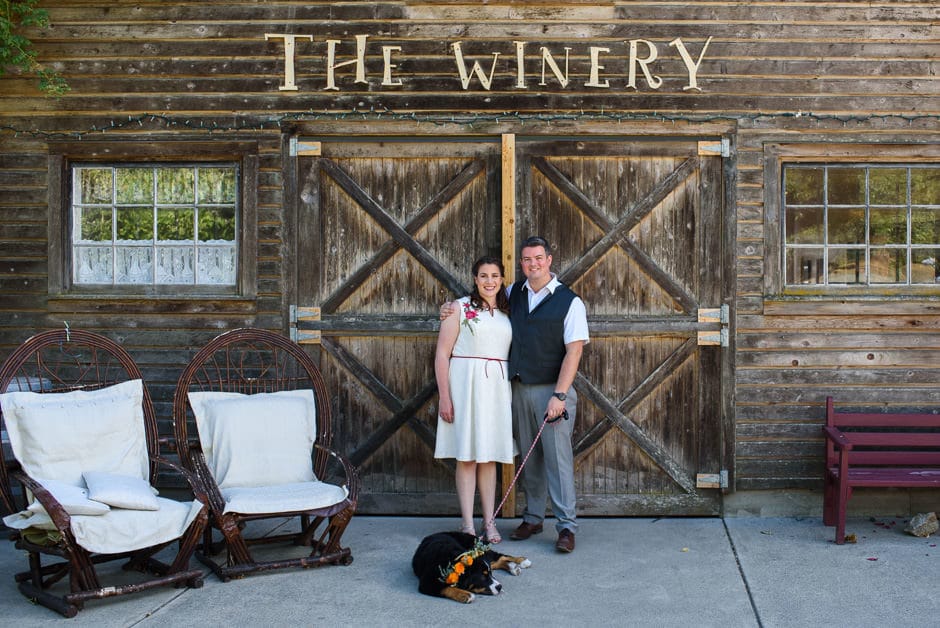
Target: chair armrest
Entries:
(837, 437)
(56, 511)
(203, 477)
(199, 493)
(352, 474)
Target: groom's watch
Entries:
(559, 396)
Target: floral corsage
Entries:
(452, 574)
(470, 314)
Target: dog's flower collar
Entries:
(452, 574)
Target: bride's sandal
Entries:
(468, 529)
(491, 534)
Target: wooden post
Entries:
(508, 471)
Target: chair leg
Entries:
(48, 600)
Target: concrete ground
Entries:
(742, 571)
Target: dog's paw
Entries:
(516, 568)
(458, 595)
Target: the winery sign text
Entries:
(635, 62)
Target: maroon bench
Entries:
(869, 449)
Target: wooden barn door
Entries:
(386, 233)
(637, 231)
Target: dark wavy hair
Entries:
(502, 301)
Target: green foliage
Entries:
(16, 50)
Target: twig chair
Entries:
(234, 390)
(76, 405)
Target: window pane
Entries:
(135, 223)
(924, 267)
(133, 265)
(805, 266)
(176, 186)
(925, 186)
(805, 226)
(93, 265)
(217, 265)
(175, 224)
(216, 185)
(846, 186)
(216, 224)
(94, 185)
(888, 186)
(134, 185)
(925, 226)
(804, 186)
(888, 226)
(847, 226)
(175, 265)
(847, 266)
(95, 225)
(888, 265)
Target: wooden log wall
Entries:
(800, 71)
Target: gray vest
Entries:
(538, 337)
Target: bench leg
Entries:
(844, 493)
(829, 500)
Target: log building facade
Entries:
(745, 194)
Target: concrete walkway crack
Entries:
(747, 586)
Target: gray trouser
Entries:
(549, 471)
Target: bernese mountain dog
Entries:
(458, 566)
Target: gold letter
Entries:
(387, 55)
(360, 61)
(595, 66)
(691, 65)
(520, 64)
(654, 81)
(485, 80)
(288, 85)
(547, 58)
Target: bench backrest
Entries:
(883, 439)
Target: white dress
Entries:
(480, 390)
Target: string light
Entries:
(441, 119)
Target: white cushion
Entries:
(264, 439)
(120, 491)
(284, 498)
(124, 530)
(120, 530)
(73, 498)
(59, 436)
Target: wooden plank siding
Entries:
(796, 72)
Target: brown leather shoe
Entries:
(525, 530)
(565, 541)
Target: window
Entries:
(154, 224)
(863, 225)
(157, 218)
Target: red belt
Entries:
(487, 365)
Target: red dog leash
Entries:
(545, 421)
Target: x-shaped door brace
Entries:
(401, 236)
(617, 233)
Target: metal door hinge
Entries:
(721, 148)
(303, 149)
(304, 336)
(712, 480)
(720, 315)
